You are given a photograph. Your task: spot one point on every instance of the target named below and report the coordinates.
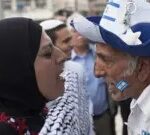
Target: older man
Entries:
(123, 56)
(103, 112)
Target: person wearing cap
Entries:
(104, 109)
(123, 56)
(59, 34)
(84, 54)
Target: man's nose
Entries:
(99, 71)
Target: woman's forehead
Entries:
(45, 39)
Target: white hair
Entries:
(132, 65)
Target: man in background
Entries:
(59, 34)
(96, 87)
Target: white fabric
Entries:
(70, 114)
(71, 17)
(139, 118)
(142, 12)
(138, 14)
(84, 26)
(121, 22)
(118, 14)
(51, 24)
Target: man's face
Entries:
(78, 41)
(112, 64)
(63, 40)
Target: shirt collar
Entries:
(143, 101)
(74, 55)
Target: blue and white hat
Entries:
(125, 25)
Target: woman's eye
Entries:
(46, 52)
(47, 55)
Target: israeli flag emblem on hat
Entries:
(125, 25)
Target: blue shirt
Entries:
(96, 87)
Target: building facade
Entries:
(44, 9)
(35, 9)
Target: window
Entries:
(21, 4)
(40, 3)
(6, 4)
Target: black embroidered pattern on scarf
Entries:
(68, 114)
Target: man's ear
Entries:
(143, 69)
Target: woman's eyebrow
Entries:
(48, 46)
(45, 49)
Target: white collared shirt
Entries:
(139, 118)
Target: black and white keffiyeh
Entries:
(70, 114)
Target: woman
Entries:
(29, 76)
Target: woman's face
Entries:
(48, 66)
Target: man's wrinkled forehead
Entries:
(100, 47)
(106, 49)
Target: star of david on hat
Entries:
(125, 25)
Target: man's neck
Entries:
(81, 51)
